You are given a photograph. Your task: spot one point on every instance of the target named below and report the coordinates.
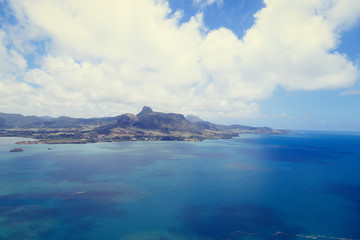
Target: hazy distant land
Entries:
(145, 126)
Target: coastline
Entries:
(59, 137)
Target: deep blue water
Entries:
(292, 186)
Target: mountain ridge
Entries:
(147, 125)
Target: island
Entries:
(147, 125)
(16, 150)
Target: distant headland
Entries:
(144, 126)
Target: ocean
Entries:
(304, 185)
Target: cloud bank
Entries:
(96, 58)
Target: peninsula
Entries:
(144, 126)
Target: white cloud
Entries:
(12, 66)
(294, 46)
(110, 57)
(204, 3)
(11, 62)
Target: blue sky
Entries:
(290, 64)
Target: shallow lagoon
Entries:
(253, 187)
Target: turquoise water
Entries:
(296, 186)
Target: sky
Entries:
(288, 64)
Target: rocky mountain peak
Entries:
(145, 110)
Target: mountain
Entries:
(146, 125)
(165, 122)
(20, 121)
(145, 110)
(193, 118)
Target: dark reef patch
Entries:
(236, 220)
(39, 212)
(350, 192)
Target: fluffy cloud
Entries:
(204, 3)
(293, 44)
(12, 66)
(110, 57)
